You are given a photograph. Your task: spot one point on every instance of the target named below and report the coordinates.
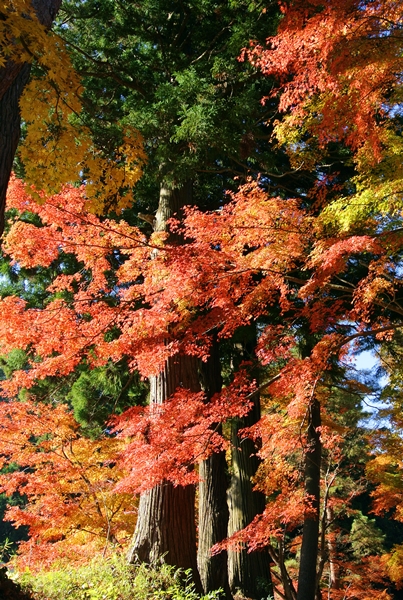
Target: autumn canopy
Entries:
(202, 248)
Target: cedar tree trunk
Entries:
(249, 572)
(166, 528)
(213, 508)
(166, 525)
(307, 584)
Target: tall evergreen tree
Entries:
(171, 71)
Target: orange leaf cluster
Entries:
(335, 63)
(68, 481)
(239, 263)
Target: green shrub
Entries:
(113, 579)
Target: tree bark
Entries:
(10, 132)
(166, 525)
(307, 584)
(213, 508)
(13, 78)
(334, 570)
(249, 572)
(171, 203)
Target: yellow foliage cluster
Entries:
(58, 146)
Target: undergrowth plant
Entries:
(113, 579)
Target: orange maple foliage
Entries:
(238, 263)
(339, 70)
(155, 304)
(338, 65)
(385, 471)
(68, 480)
(159, 307)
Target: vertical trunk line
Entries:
(213, 509)
(307, 585)
(166, 525)
(334, 570)
(10, 131)
(249, 572)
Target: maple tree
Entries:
(183, 88)
(339, 67)
(14, 74)
(197, 88)
(68, 481)
(50, 109)
(384, 468)
(218, 290)
(213, 101)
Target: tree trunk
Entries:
(13, 78)
(307, 584)
(213, 508)
(334, 570)
(166, 525)
(10, 132)
(249, 572)
(171, 203)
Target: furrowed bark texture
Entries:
(248, 572)
(213, 508)
(163, 533)
(166, 528)
(166, 525)
(13, 78)
(307, 585)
